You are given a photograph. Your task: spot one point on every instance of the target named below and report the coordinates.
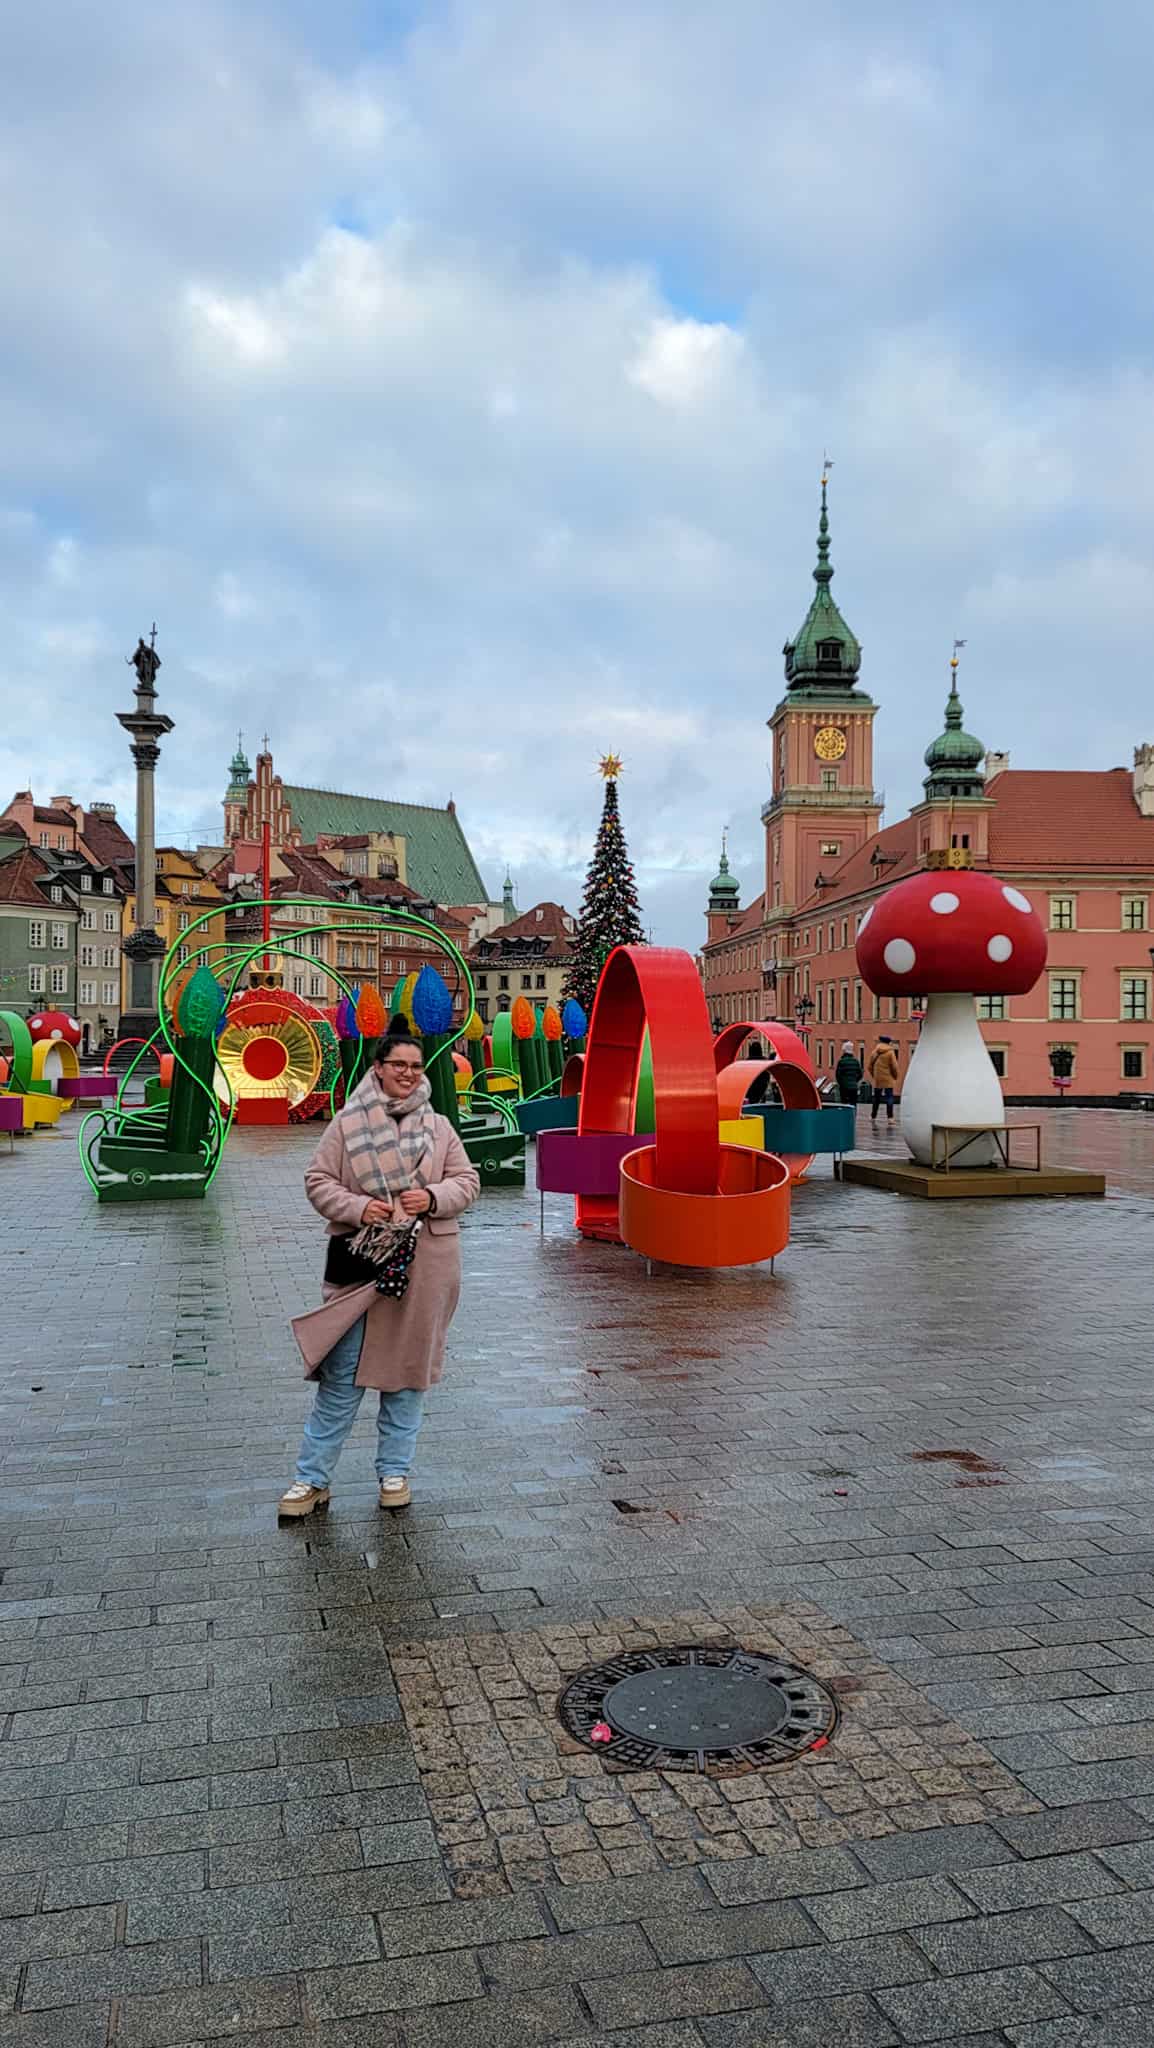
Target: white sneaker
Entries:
(394, 1492)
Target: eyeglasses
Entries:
(404, 1067)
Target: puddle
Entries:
(968, 1461)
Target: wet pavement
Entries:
(305, 1786)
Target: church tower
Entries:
(724, 899)
(954, 819)
(236, 796)
(823, 804)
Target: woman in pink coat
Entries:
(385, 1162)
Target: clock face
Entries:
(829, 744)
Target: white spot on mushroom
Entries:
(944, 902)
(866, 918)
(1016, 899)
(56, 1033)
(899, 956)
(1000, 947)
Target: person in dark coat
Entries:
(848, 1073)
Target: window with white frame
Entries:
(59, 938)
(1135, 912)
(88, 920)
(56, 893)
(36, 981)
(108, 885)
(86, 880)
(58, 981)
(62, 842)
(108, 958)
(111, 993)
(184, 920)
(1135, 998)
(111, 921)
(1064, 993)
(1062, 909)
(45, 839)
(35, 932)
(992, 1009)
(182, 954)
(88, 991)
(87, 957)
(316, 985)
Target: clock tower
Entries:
(823, 804)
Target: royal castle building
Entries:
(1078, 842)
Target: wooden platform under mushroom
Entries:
(970, 1183)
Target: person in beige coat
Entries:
(386, 1162)
(883, 1071)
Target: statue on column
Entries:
(146, 662)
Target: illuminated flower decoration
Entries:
(201, 1005)
(474, 1029)
(371, 1014)
(551, 1027)
(432, 1003)
(574, 1022)
(523, 1019)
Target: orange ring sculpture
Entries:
(797, 1088)
(686, 1199)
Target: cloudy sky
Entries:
(450, 382)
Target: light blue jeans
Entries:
(335, 1410)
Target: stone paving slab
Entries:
(304, 1786)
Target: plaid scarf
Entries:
(388, 1140)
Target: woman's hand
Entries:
(415, 1201)
(377, 1212)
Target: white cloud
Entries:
(455, 402)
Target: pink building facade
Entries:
(1078, 843)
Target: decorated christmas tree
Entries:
(609, 914)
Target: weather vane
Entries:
(954, 655)
(826, 466)
(610, 766)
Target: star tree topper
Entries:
(610, 766)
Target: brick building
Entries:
(529, 956)
(1078, 843)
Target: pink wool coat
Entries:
(404, 1341)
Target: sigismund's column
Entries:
(144, 948)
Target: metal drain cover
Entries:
(692, 1708)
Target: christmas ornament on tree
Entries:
(609, 914)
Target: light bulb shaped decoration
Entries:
(201, 1004)
(371, 1016)
(432, 1003)
(523, 1018)
(474, 1029)
(551, 1027)
(574, 1022)
(346, 1018)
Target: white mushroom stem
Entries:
(951, 1080)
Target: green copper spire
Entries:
(825, 657)
(725, 889)
(955, 758)
(508, 901)
(239, 772)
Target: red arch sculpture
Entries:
(795, 1085)
(686, 1198)
(782, 1040)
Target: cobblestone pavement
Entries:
(304, 1787)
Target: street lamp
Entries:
(803, 1010)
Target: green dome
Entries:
(725, 889)
(825, 655)
(955, 758)
(239, 772)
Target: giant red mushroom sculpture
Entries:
(950, 936)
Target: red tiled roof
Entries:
(19, 876)
(45, 815)
(106, 839)
(545, 921)
(1068, 818)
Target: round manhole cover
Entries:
(695, 1708)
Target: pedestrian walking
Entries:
(883, 1073)
(848, 1074)
(391, 1177)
